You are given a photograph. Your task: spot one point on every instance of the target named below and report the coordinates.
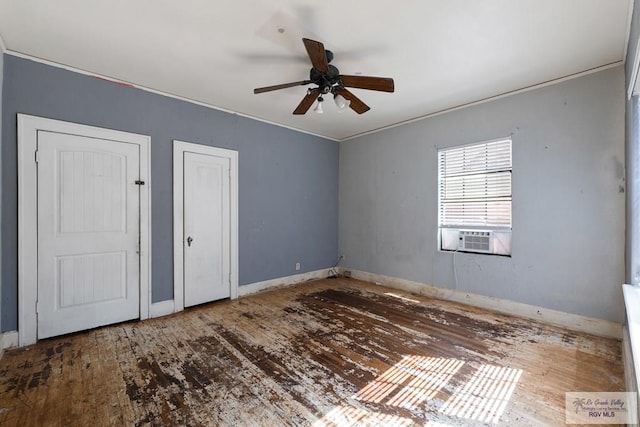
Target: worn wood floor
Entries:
(332, 352)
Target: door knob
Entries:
(189, 240)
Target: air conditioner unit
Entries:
(475, 241)
(497, 242)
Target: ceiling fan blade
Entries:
(317, 55)
(356, 103)
(282, 86)
(382, 84)
(307, 102)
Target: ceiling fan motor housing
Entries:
(325, 81)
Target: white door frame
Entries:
(28, 127)
(179, 148)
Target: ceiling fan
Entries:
(329, 81)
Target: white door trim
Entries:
(28, 127)
(179, 148)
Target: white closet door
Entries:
(206, 228)
(88, 232)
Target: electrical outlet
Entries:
(297, 266)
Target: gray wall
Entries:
(568, 198)
(288, 181)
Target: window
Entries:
(474, 192)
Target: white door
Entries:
(88, 232)
(206, 228)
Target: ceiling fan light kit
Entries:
(341, 102)
(328, 79)
(318, 108)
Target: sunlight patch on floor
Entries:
(418, 378)
(485, 396)
(342, 416)
(415, 380)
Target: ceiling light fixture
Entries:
(341, 102)
(318, 108)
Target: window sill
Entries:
(632, 304)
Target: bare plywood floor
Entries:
(331, 352)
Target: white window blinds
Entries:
(475, 185)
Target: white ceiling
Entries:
(441, 53)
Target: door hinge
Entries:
(138, 182)
(37, 156)
(37, 307)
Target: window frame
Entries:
(441, 222)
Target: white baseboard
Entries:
(162, 308)
(600, 327)
(7, 340)
(165, 308)
(282, 282)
